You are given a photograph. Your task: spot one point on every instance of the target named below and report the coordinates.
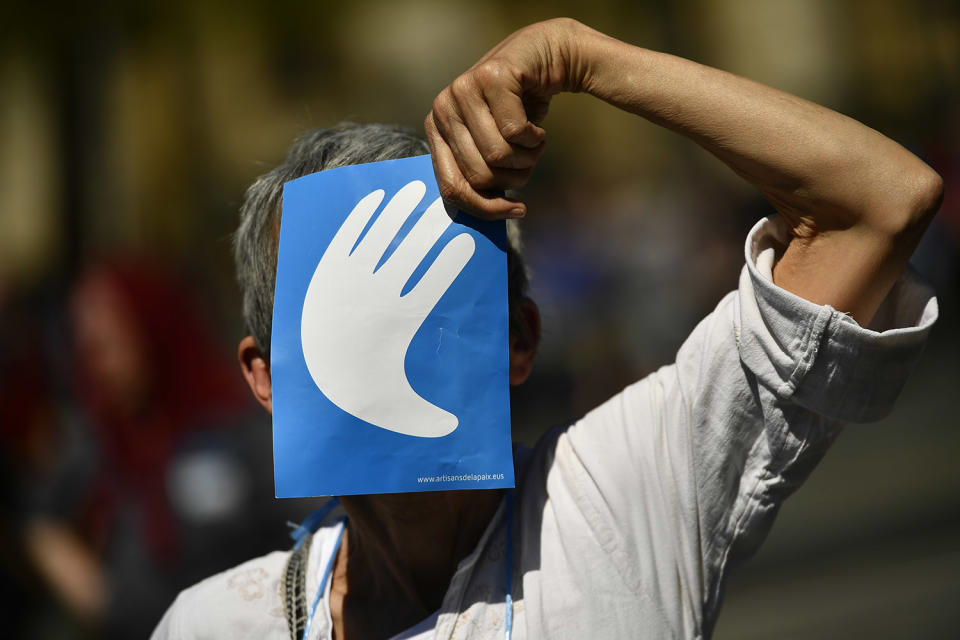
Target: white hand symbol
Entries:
(356, 328)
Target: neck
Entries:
(400, 552)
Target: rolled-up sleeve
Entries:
(819, 357)
(685, 470)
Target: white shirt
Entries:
(627, 522)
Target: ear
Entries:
(524, 340)
(256, 371)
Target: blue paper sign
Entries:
(390, 338)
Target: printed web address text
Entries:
(464, 477)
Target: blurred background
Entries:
(132, 463)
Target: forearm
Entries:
(857, 200)
(824, 170)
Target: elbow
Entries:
(925, 197)
(928, 198)
(919, 196)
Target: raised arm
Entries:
(855, 201)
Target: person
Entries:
(127, 527)
(625, 523)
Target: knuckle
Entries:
(448, 191)
(442, 104)
(429, 124)
(489, 72)
(440, 122)
(498, 155)
(462, 85)
(512, 129)
(438, 103)
(479, 178)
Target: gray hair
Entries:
(255, 242)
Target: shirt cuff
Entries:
(818, 357)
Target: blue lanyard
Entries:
(326, 576)
(313, 522)
(508, 599)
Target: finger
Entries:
(449, 125)
(495, 150)
(442, 272)
(386, 226)
(349, 231)
(474, 167)
(508, 111)
(493, 147)
(421, 238)
(457, 191)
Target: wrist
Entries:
(608, 68)
(568, 53)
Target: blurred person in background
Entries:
(149, 379)
(626, 523)
(153, 481)
(51, 585)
